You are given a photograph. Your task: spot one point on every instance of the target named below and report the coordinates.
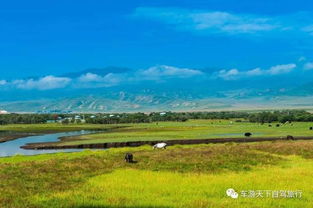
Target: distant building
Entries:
(77, 117)
(51, 121)
(162, 114)
(4, 112)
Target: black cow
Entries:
(311, 128)
(248, 134)
(277, 125)
(129, 158)
(289, 137)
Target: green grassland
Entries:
(193, 129)
(180, 176)
(51, 128)
(14, 131)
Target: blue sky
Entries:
(240, 38)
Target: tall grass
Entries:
(143, 188)
(181, 176)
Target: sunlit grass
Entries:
(142, 188)
(180, 176)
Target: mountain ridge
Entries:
(165, 93)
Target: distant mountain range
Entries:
(134, 93)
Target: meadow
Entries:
(50, 128)
(180, 176)
(192, 129)
(14, 131)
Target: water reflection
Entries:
(11, 148)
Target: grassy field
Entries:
(193, 129)
(51, 128)
(11, 132)
(180, 176)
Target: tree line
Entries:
(116, 118)
(281, 116)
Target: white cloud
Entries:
(255, 72)
(234, 74)
(308, 66)
(281, 69)
(155, 73)
(90, 77)
(202, 21)
(214, 21)
(231, 74)
(91, 80)
(243, 24)
(44, 83)
(94, 80)
(164, 71)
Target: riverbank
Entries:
(16, 131)
(190, 132)
(58, 145)
(13, 136)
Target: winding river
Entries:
(11, 148)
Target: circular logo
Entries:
(232, 193)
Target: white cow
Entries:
(160, 146)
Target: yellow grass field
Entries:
(180, 176)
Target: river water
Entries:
(11, 148)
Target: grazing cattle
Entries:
(248, 134)
(311, 128)
(160, 146)
(129, 158)
(269, 125)
(289, 137)
(277, 125)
